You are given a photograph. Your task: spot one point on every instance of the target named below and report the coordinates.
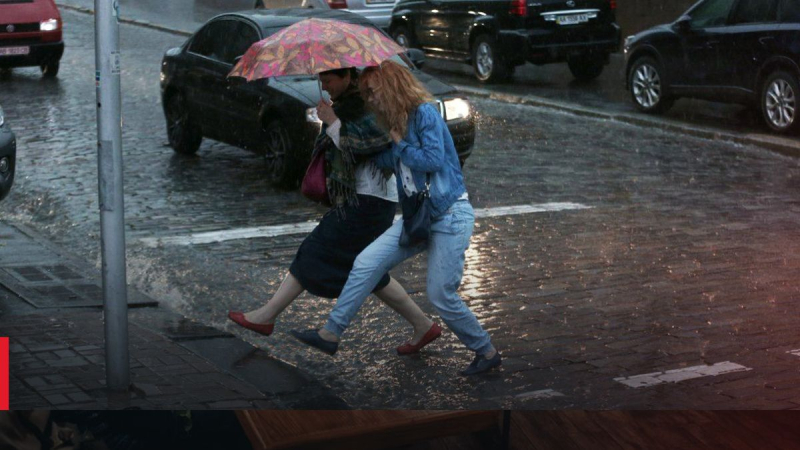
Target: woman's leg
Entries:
(288, 291)
(378, 258)
(397, 298)
(448, 243)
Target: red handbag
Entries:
(314, 186)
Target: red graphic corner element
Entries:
(4, 369)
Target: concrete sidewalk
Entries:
(51, 308)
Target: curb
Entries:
(782, 145)
(141, 23)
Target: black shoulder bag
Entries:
(417, 217)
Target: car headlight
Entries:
(456, 108)
(49, 25)
(311, 115)
(2, 118)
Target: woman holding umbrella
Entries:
(423, 156)
(363, 199)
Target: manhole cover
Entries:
(58, 286)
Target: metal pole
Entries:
(109, 169)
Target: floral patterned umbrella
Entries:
(312, 46)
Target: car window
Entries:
(711, 13)
(755, 11)
(202, 42)
(245, 36)
(790, 11)
(214, 42)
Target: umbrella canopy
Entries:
(312, 46)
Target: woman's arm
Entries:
(385, 159)
(429, 156)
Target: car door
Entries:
(244, 100)
(460, 15)
(701, 44)
(432, 28)
(749, 40)
(209, 57)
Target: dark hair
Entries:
(342, 72)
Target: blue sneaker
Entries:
(312, 338)
(480, 364)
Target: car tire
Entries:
(50, 70)
(183, 135)
(402, 36)
(648, 90)
(489, 66)
(779, 102)
(7, 177)
(587, 67)
(279, 162)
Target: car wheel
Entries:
(648, 89)
(586, 67)
(403, 37)
(6, 175)
(50, 70)
(779, 102)
(488, 65)
(278, 160)
(183, 135)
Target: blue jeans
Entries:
(446, 245)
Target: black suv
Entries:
(496, 36)
(735, 51)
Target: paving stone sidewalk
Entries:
(57, 361)
(50, 308)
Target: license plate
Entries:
(572, 19)
(12, 51)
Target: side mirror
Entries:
(416, 56)
(683, 24)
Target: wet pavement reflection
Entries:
(688, 255)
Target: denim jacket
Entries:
(427, 147)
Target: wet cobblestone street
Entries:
(688, 254)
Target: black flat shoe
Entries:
(480, 364)
(312, 338)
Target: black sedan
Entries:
(736, 51)
(274, 116)
(8, 156)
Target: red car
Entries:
(30, 35)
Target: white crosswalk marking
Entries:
(542, 394)
(676, 375)
(306, 227)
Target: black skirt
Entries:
(325, 258)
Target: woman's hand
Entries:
(325, 112)
(395, 135)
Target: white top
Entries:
(369, 179)
(408, 182)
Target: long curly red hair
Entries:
(392, 92)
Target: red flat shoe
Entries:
(238, 317)
(409, 348)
